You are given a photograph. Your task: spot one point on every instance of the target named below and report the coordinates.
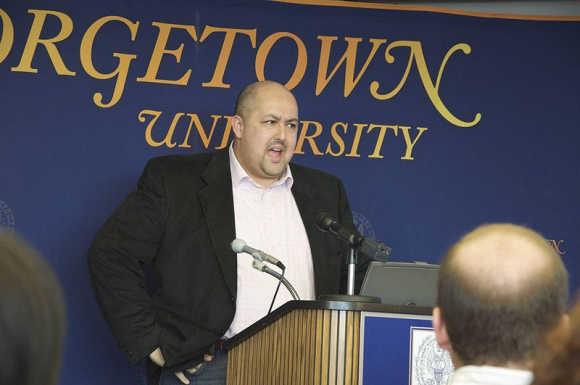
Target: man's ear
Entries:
(238, 126)
(441, 330)
(561, 332)
(565, 323)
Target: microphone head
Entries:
(375, 250)
(324, 221)
(238, 245)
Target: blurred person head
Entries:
(558, 358)
(501, 288)
(32, 316)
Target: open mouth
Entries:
(275, 153)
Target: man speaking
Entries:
(180, 221)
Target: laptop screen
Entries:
(401, 283)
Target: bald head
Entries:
(501, 287)
(503, 259)
(253, 95)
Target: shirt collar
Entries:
(239, 175)
(472, 374)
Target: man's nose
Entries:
(282, 131)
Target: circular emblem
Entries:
(6, 217)
(363, 225)
(433, 364)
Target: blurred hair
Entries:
(32, 316)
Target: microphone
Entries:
(373, 249)
(240, 246)
(327, 223)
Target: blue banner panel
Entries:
(435, 122)
(401, 349)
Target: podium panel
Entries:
(333, 343)
(318, 346)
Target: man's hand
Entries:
(157, 357)
(181, 375)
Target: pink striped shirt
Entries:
(267, 219)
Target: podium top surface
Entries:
(322, 305)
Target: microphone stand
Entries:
(351, 270)
(354, 244)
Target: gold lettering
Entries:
(374, 86)
(348, 57)
(7, 35)
(409, 145)
(310, 138)
(149, 130)
(161, 49)
(120, 72)
(205, 138)
(556, 244)
(356, 141)
(227, 133)
(34, 40)
(337, 139)
(380, 138)
(301, 59)
(432, 89)
(217, 79)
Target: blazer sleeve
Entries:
(129, 239)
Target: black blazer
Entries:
(180, 221)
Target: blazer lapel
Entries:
(217, 204)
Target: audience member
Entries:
(501, 288)
(32, 316)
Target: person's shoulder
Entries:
(312, 174)
(177, 164)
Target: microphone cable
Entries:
(276, 292)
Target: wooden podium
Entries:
(304, 343)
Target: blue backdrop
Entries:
(435, 122)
